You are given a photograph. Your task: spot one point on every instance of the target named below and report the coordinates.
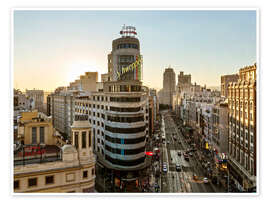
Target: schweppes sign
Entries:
(134, 66)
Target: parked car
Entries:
(179, 153)
(195, 177)
(168, 142)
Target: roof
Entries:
(68, 149)
(81, 124)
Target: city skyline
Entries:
(119, 135)
(59, 44)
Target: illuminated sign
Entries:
(134, 66)
(128, 31)
(149, 153)
(32, 150)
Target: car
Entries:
(168, 142)
(186, 157)
(165, 169)
(195, 177)
(190, 154)
(178, 167)
(205, 180)
(179, 153)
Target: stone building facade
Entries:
(242, 128)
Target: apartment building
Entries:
(42, 167)
(242, 128)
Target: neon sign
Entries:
(32, 150)
(134, 66)
(128, 31)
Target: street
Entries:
(174, 181)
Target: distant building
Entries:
(21, 101)
(62, 110)
(104, 77)
(242, 128)
(36, 99)
(184, 82)
(87, 82)
(166, 94)
(35, 128)
(225, 80)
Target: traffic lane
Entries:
(177, 182)
(196, 187)
(199, 187)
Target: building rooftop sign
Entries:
(128, 31)
(134, 66)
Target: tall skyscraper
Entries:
(168, 90)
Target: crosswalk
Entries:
(179, 182)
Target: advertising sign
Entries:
(134, 66)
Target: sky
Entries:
(53, 48)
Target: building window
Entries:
(41, 135)
(252, 167)
(76, 137)
(32, 182)
(49, 180)
(34, 135)
(84, 139)
(16, 184)
(85, 174)
(89, 139)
